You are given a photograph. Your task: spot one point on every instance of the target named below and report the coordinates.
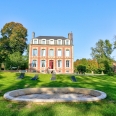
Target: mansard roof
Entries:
(51, 37)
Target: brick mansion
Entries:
(51, 53)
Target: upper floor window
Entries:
(51, 41)
(67, 42)
(67, 63)
(34, 63)
(59, 42)
(51, 52)
(59, 63)
(34, 52)
(43, 41)
(43, 63)
(35, 41)
(43, 52)
(67, 52)
(59, 52)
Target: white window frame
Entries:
(66, 53)
(41, 64)
(66, 63)
(59, 66)
(33, 52)
(35, 40)
(50, 41)
(34, 65)
(58, 52)
(42, 52)
(50, 53)
(58, 42)
(66, 42)
(43, 40)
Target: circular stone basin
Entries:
(66, 94)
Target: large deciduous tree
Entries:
(102, 53)
(103, 50)
(13, 39)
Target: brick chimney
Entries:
(33, 34)
(70, 36)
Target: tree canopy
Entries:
(102, 50)
(102, 53)
(13, 39)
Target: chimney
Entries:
(70, 36)
(33, 34)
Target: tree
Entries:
(81, 69)
(92, 65)
(102, 53)
(103, 50)
(13, 39)
(16, 60)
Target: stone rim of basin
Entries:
(14, 95)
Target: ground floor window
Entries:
(34, 63)
(67, 63)
(59, 63)
(43, 63)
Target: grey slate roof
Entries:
(51, 37)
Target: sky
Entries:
(89, 20)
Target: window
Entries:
(59, 42)
(67, 42)
(34, 63)
(34, 52)
(51, 52)
(43, 42)
(43, 52)
(51, 41)
(67, 63)
(59, 63)
(42, 63)
(35, 41)
(67, 53)
(59, 52)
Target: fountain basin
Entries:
(65, 94)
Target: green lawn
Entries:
(106, 107)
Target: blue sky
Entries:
(89, 20)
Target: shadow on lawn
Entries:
(50, 109)
(1, 76)
(26, 82)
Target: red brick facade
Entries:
(51, 62)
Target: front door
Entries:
(51, 64)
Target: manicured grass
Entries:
(106, 107)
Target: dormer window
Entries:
(43, 41)
(59, 42)
(51, 41)
(35, 41)
(67, 42)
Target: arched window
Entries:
(43, 41)
(59, 42)
(67, 42)
(35, 41)
(51, 41)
